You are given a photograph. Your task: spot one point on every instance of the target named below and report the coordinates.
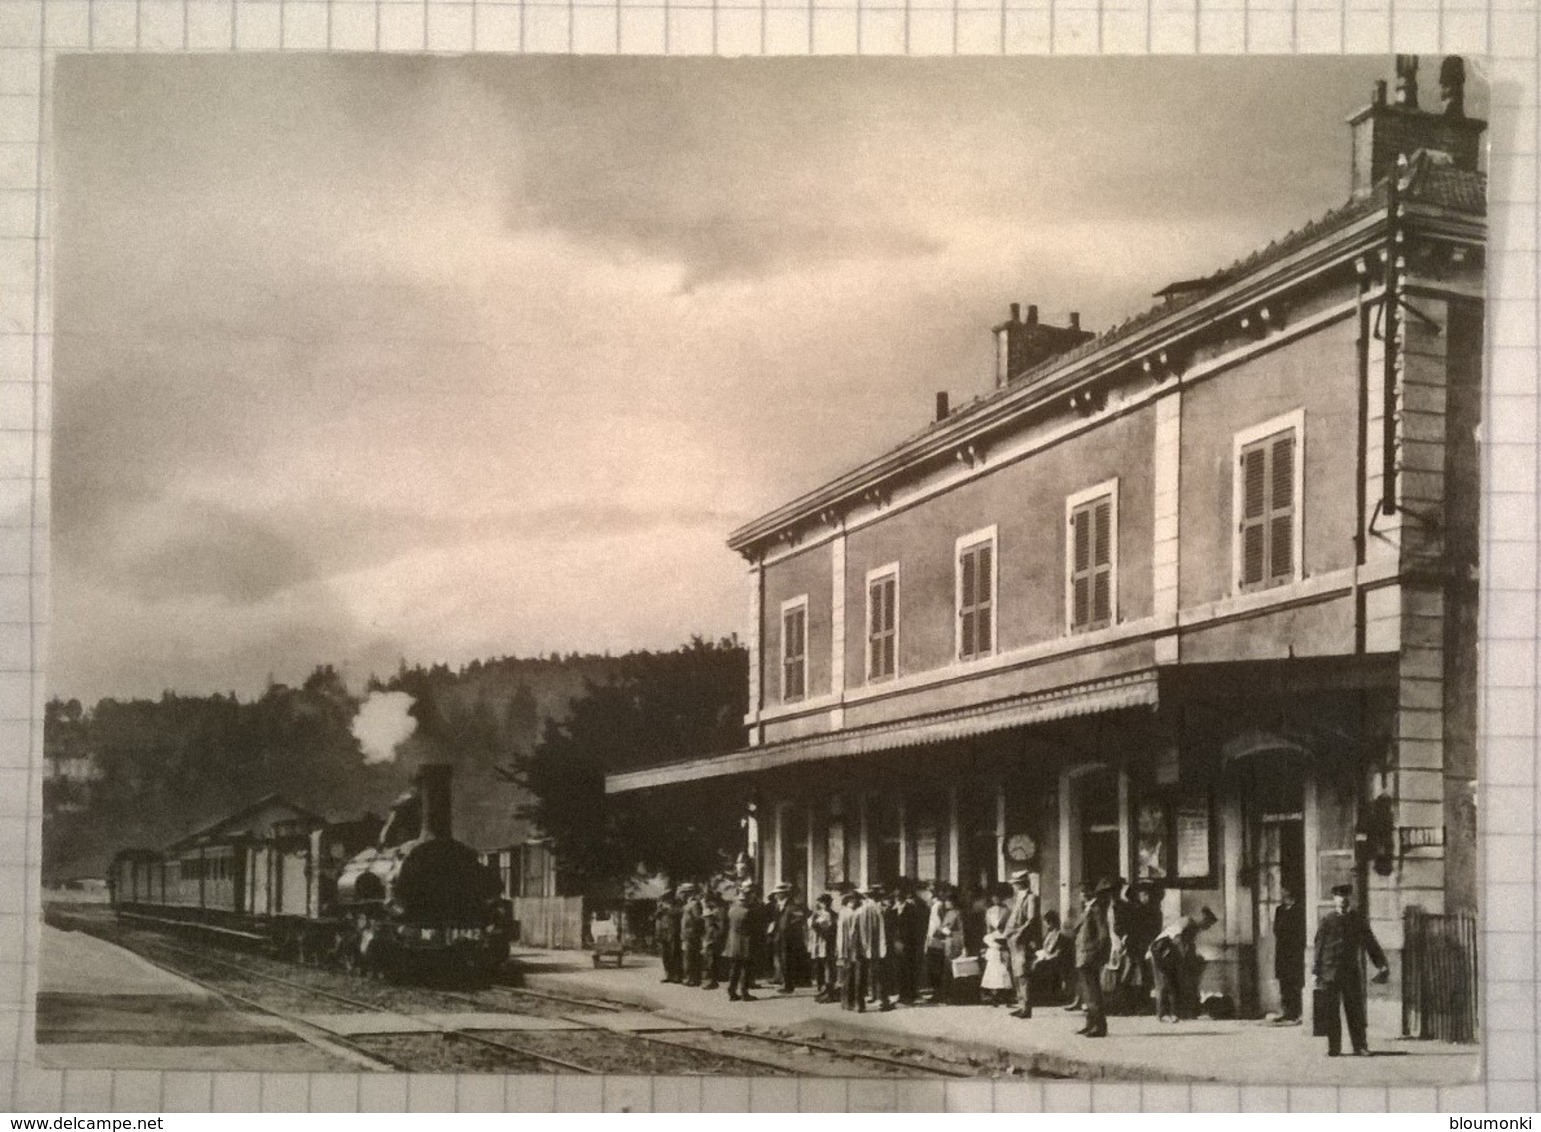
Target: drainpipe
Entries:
(1362, 458)
(1391, 324)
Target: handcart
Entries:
(608, 933)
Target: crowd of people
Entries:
(909, 944)
(881, 947)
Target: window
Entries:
(1091, 543)
(1266, 500)
(882, 622)
(794, 649)
(976, 594)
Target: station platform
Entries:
(1137, 1048)
(101, 1007)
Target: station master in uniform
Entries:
(1342, 939)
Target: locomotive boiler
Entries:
(421, 897)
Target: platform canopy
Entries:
(1090, 698)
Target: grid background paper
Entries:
(1506, 32)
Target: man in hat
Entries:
(783, 927)
(852, 992)
(1093, 944)
(715, 937)
(909, 941)
(756, 929)
(739, 948)
(1289, 954)
(666, 930)
(822, 930)
(1342, 939)
(1021, 932)
(871, 948)
(1175, 960)
(692, 930)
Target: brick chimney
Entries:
(1384, 131)
(1019, 345)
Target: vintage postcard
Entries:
(805, 567)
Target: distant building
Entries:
(1192, 602)
(68, 783)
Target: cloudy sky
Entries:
(361, 358)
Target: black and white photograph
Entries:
(796, 567)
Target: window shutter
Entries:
(1102, 568)
(982, 621)
(1254, 484)
(1281, 532)
(974, 613)
(1102, 543)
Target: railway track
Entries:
(404, 1051)
(928, 1067)
(582, 1046)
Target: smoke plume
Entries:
(382, 725)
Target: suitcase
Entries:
(1321, 1012)
(968, 967)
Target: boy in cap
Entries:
(1340, 940)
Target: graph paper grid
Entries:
(1503, 32)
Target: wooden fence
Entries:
(550, 921)
(1439, 976)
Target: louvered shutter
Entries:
(1102, 562)
(983, 619)
(1254, 506)
(1281, 508)
(966, 603)
(1080, 568)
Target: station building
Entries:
(1192, 601)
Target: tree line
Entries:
(530, 739)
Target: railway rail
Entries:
(586, 1047)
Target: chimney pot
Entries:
(1016, 312)
(1032, 314)
(1075, 320)
(941, 401)
(1378, 96)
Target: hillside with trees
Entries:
(160, 768)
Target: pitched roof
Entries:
(219, 825)
(1430, 179)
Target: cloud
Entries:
(358, 359)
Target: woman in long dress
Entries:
(995, 986)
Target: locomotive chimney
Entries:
(433, 787)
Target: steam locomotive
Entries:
(400, 900)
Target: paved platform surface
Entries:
(101, 1007)
(1241, 1051)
